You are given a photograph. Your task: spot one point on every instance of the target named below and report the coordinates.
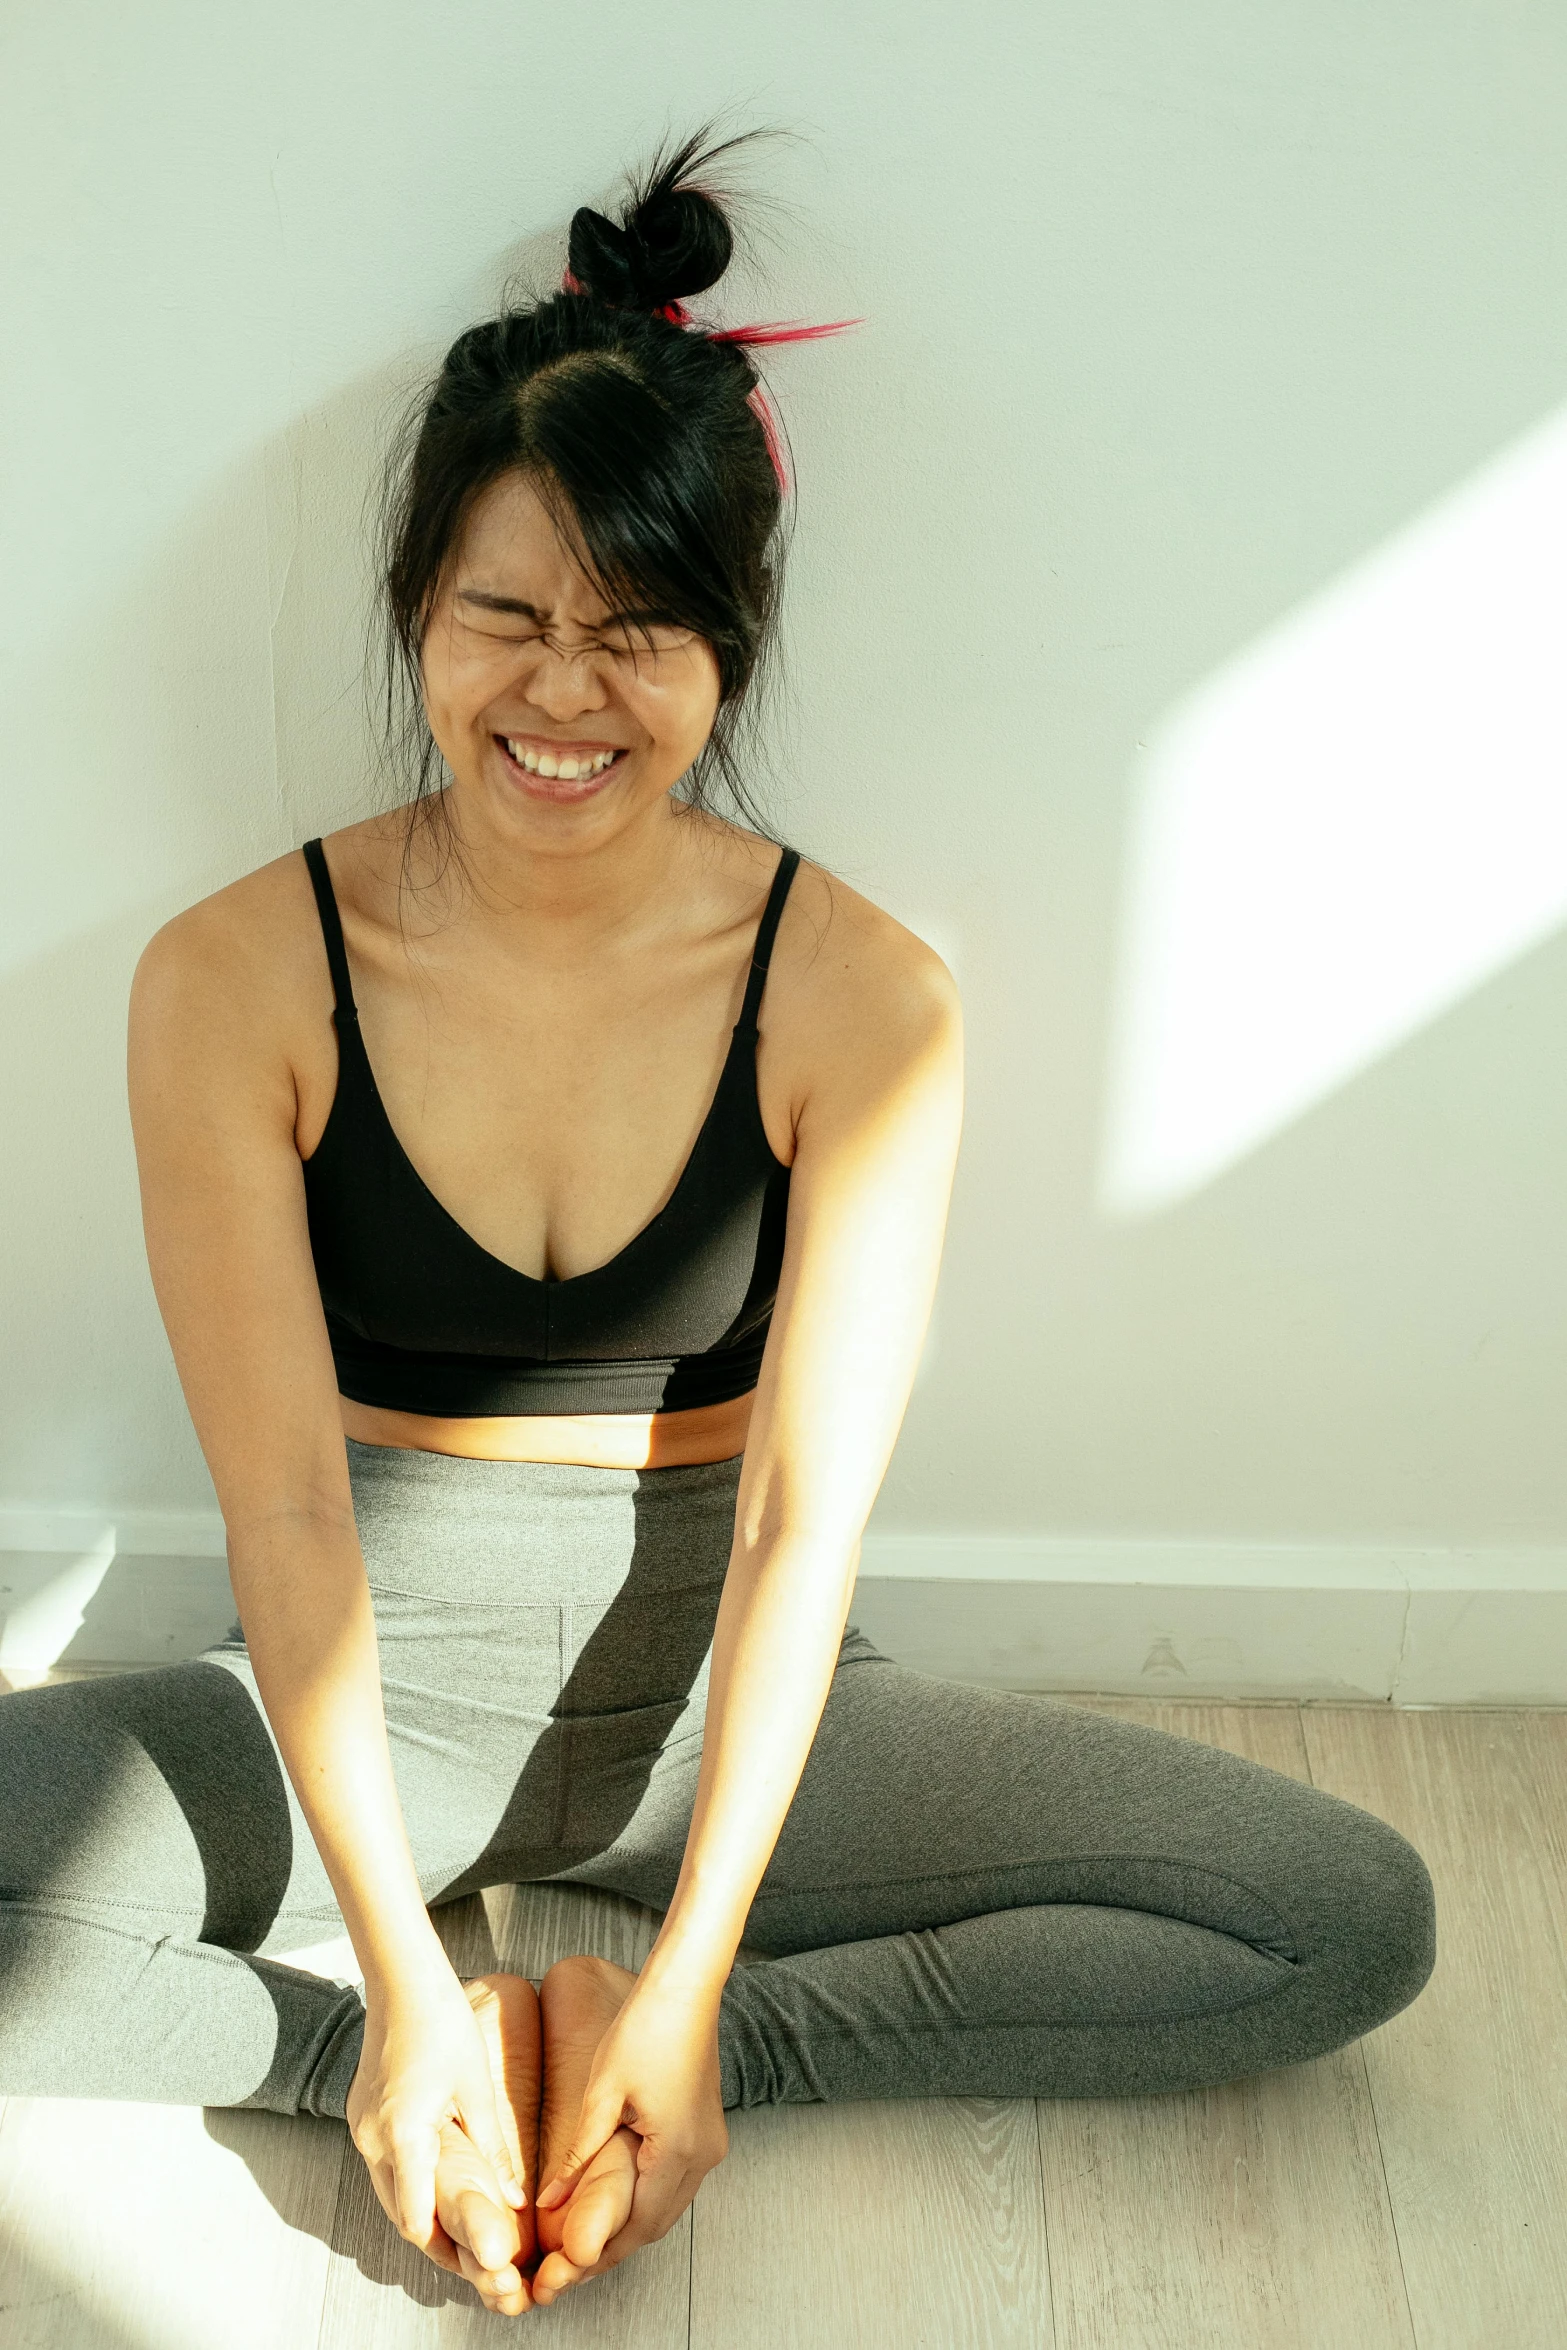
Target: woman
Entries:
(544, 1189)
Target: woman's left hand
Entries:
(655, 2071)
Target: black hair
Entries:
(640, 432)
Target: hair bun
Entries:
(671, 241)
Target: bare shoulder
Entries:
(245, 963)
(260, 934)
(858, 978)
(864, 1014)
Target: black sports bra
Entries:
(422, 1319)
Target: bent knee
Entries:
(1387, 1922)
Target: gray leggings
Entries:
(973, 1894)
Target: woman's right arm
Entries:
(215, 1108)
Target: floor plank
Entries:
(533, 1925)
(918, 2224)
(188, 2240)
(1231, 2216)
(1470, 2082)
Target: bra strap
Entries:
(766, 932)
(332, 934)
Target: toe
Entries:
(505, 2294)
(555, 2274)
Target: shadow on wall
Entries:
(323, 485)
(235, 660)
(90, 1408)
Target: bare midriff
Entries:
(591, 1440)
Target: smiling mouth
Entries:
(582, 763)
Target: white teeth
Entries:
(569, 770)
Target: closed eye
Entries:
(624, 635)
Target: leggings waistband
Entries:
(520, 1533)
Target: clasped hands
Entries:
(527, 2141)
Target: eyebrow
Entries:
(525, 611)
(499, 603)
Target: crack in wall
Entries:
(1403, 1643)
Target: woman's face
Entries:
(561, 718)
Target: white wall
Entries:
(1175, 320)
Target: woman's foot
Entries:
(492, 2243)
(580, 2000)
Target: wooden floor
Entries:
(1409, 2193)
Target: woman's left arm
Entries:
(876, 1141)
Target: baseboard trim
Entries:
(1419, 1625)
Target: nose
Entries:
(566, 682)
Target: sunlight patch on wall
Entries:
(1344, 830)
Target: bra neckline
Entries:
(537, 1281)
(345, 1021)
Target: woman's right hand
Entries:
(424, 2064)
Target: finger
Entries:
(383, 2180)
(662, 2193)
(595, 2128)
(485, 2228)
(443, 2251)
(558, 2272)
(600, 2207)
(468, 2206)
(479, 2119)
(414, 2152)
